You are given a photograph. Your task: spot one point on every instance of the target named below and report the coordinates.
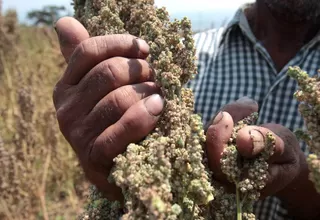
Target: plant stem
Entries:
(193, 210)
(239, 204)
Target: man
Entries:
(107, 89)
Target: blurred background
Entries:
(204, 14)
(40, 177)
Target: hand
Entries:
(284, 165)
(288, 174)
(106, 98)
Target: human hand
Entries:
(285, 164)
(106, 98)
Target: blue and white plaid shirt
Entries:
(232, 63)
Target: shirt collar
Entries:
(240, 20)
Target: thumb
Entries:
(238, 110)
(70, 33)
(241, 108)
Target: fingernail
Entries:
(257, 139)
(154, 104)
(143, 46)
(217, 118)
(247, 100)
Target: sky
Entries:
(173, 6)
(204, 14)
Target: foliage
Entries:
(46, 16)
(40, 177)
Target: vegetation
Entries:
(46, 16)
(40, 177)
(309, 107)
(171, 179)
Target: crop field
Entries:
(40, 177)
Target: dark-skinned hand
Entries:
(288, 174)
(284, 164)
(106, 99)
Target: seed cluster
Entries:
(165, 176)
(309, 97)
(162, 177)
(248, 175)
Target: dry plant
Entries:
(10, 22)
(40, 177)
(165, 176)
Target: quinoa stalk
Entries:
(239, 204)
(309, 97)
(248, 175)
(165, 176)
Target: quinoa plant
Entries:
(165, 176)
(40, 177)
(309, 97)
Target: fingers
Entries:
(251, 141)
(80, 128)
(110, 75)
(111, 108)
(218, 135)
(284, 164)
(220, 129)
(92, 51)
(70, 34)
(101, 80)
(137, 122)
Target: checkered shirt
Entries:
(232, 63)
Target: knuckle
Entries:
(127, 96)
(66, 117)
(122, 98)
(125, 93)
(101, 150)
(80, 136)
(129, 126)
(88, 47)
(111, 71)
(99, 44)
(103, 117)
(100, 77)
(123, 39)
(63, 117)
(125, 43)
(58, 93)
(76, 135)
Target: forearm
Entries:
(301, 198)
